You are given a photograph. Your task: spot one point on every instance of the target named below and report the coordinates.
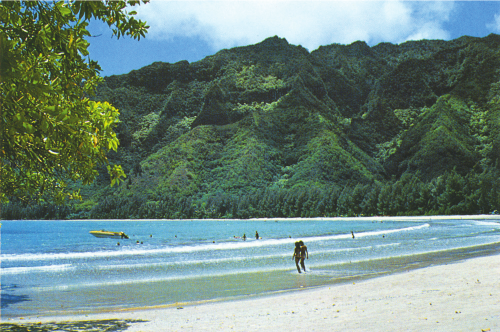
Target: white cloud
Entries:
(429, 30)
(225, 24)
(495, 26)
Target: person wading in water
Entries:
(303, 254)
(297, 256)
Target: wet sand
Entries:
(461, 296)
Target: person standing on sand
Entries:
(297, 256)
(303, 254)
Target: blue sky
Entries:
(192, 30)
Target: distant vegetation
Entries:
(271, 130)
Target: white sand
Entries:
(463, 296)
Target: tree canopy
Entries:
(51, 132)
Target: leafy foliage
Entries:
(51, 132)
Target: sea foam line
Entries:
(211, 274)
(32, 269)
(391, 231)
(233, 245)
(486, 223)
(153, 265)
(225, 260)
(190, 262)
(234, 259)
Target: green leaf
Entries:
(29, 128)
(65, 11)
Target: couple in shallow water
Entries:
(300, 254)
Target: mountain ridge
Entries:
(345, 126)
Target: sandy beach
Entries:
(462, 296)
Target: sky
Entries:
(192, 30)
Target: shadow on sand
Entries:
(7, 299)
(109, 325)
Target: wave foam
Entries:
(32, 269)
(233, 245)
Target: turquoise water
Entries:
(57, 267)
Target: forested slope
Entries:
(273, 130)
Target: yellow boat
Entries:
(113, 235)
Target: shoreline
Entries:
(366, 218)
(458, 296)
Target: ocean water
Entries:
(57, 267)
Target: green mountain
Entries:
(272, 130)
